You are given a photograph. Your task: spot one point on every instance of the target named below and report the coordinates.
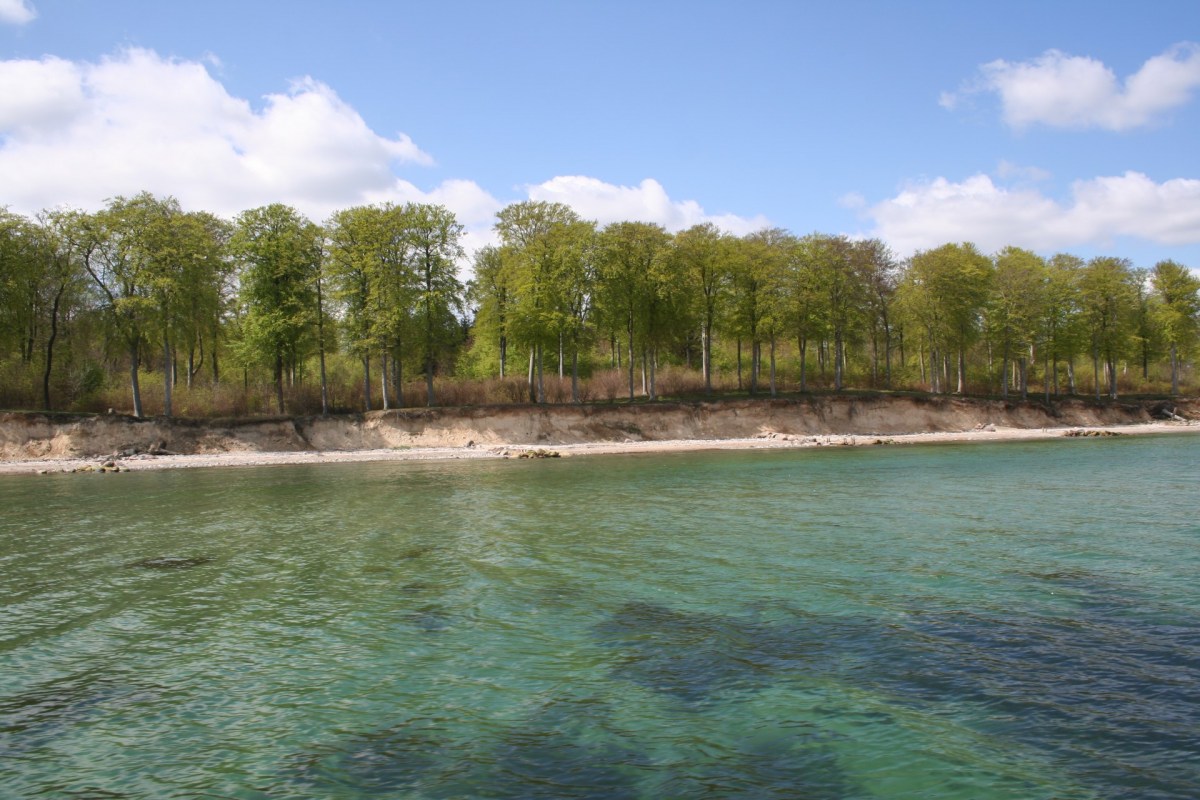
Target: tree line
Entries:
(352, 313)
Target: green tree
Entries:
(879, 271)
(435, 237)
(1063, 332)
(944, 290)
(1014, 310)
(532, 235)
(489, 293)
(122, 248)
(1109, 299)
(630, 270)
(1177, 311)
(279, 253)
(699, 255)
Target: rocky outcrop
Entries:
(41, 436)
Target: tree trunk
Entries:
(383, 379)
(429, 398)
(803, 363)
(529, 381)
(706, 355)
(1046, 379)
(503, 354)
(753, 367)
(320, 352)
(541, 386)
(837, 361)
(279, 382)
(168, 377)
(1004, 372)
(629, 331)
(653, 369)
(1175, 371)
(366, 362)
(575, 371)
(739, 362)
(133, 380)
(54, 335)
(772, 366)
(962, 370)
(398, 376)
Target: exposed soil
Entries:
(28, 437)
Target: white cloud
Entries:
(76, 133)
(1064, 91)
(16, 12)
(1007, 169)
(647, 202)
(932, 213)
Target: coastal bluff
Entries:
(37, 435)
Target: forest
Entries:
(147, 309)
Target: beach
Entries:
(764, 441)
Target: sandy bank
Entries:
(53, 443)
(144, 461)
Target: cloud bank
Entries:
(648, 201)
(1063, 91)
(930, 213)
(77, 133)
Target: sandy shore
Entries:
(772, 441)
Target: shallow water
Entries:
(983, 621)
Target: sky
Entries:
(1058, 127)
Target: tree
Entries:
(1015, 309)
(490, 291)
(944, 290)
(631, 289)
(121, 247)
(699, 255)
(41, 282)
(878, 269)
(532, 235)
(1109, 301)
(435, 238)
(279, 253)
(1177, 311)
(1063, 332)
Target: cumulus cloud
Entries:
(76, 133)
(930, 213)
(1064, 91)
(647, 202)
(16, 12)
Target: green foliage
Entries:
(144, 286)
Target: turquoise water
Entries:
(988, 621)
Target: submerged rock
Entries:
(171, 562)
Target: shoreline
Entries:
(768, 441)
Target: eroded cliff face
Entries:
(40, 436)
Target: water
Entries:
(986, 621)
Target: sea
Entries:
(974, 621)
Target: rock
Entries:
(171, 562)
(540, 453)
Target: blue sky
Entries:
(1056, 126)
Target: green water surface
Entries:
(990, 621)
